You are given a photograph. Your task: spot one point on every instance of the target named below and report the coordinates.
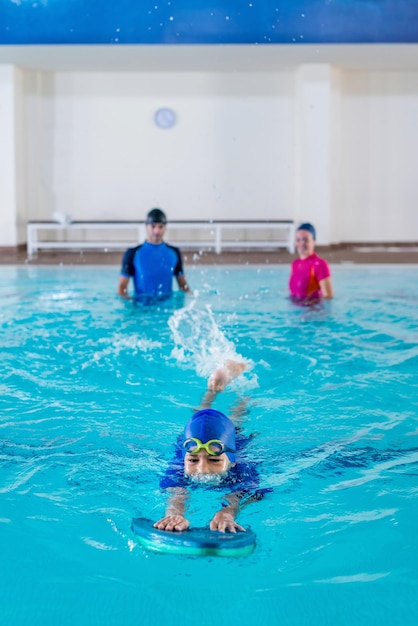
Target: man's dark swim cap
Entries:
(209, 424)
(309, 228)
(156, 216)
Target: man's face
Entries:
(204, 464)
(155, 232)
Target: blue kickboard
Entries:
(194, 541)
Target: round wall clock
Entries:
(165, 118)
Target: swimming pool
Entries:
(94, 391)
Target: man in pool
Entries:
(208, 455)
(152, 264)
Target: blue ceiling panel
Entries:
(120, 22)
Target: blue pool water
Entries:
(94, 391)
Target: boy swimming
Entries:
(209, 454)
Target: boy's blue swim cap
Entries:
(210, 424)
(309, 228)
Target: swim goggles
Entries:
(214, 447)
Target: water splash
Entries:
(199, 343)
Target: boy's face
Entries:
(203, 463)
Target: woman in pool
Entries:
(208, 455)
(310, 278)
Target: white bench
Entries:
(72, 236)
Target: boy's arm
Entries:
(174, 515)
(225, 518)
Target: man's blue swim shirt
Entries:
(152, 267)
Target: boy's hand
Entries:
(172, 522)
(223, 520)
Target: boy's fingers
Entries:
(176, 522)
(240, 528)
(225, 525)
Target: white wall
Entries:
(379, 156)
(12, 160)
(313, 103)
(230, 155)
(318, 143)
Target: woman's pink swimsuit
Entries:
(305, 277)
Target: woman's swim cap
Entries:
(309, 228)
(211, 424)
